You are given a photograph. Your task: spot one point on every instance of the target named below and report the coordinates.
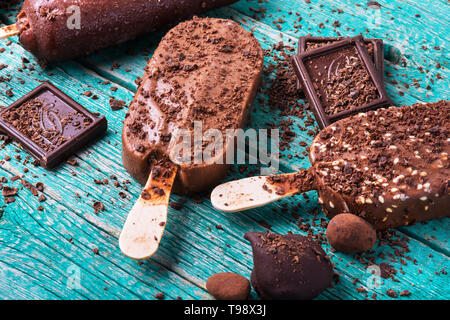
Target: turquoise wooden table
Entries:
(65, 250)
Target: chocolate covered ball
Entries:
(349, 233)
(288, 267)
(228, 286)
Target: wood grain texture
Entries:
(37, 260)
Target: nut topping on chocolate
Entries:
(396, 162)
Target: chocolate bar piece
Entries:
(50, 125)
(340, 80)
(373, 46)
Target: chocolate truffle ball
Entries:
(349, 233)
(288, 266)
(228, 286)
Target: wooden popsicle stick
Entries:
(8, 31)
(253, 192)
(145, 224)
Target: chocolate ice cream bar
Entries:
(340, 80)
(374, 48)
(59, 30)
(206, 70)
(388, 166)
(50, 125)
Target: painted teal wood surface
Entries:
(41, 252)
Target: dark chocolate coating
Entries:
(349, 233)
(228, 286)
(388, 166)
(58, 107)
(288, 267)
(44, 29)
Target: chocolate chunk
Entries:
(288, 266)
(391, 293)
(228, 286)
(98, 206)
(340, 80)
(9, 200)
(50, 125)
(386, 270)
(374, 4)
(405, 293)
(374, 48)
(9, 191)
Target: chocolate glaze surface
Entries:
(288, 267)
(47, 28)
(340, 80)
(389, 166)
(205, 70)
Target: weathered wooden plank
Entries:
(404, 67)
(38, 244)
(100, 158)
(181, 246)
(282, 222)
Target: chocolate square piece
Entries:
(373, 46)
(340, 80)
(50, 125)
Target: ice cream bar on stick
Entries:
(389, 166)
(204, 72)
(64, 29)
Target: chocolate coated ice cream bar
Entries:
(205, 70)
(59, 30)
(288, 267)
(389, 166)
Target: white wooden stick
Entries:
(249, 193)
(145, 224)
(8, 31)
